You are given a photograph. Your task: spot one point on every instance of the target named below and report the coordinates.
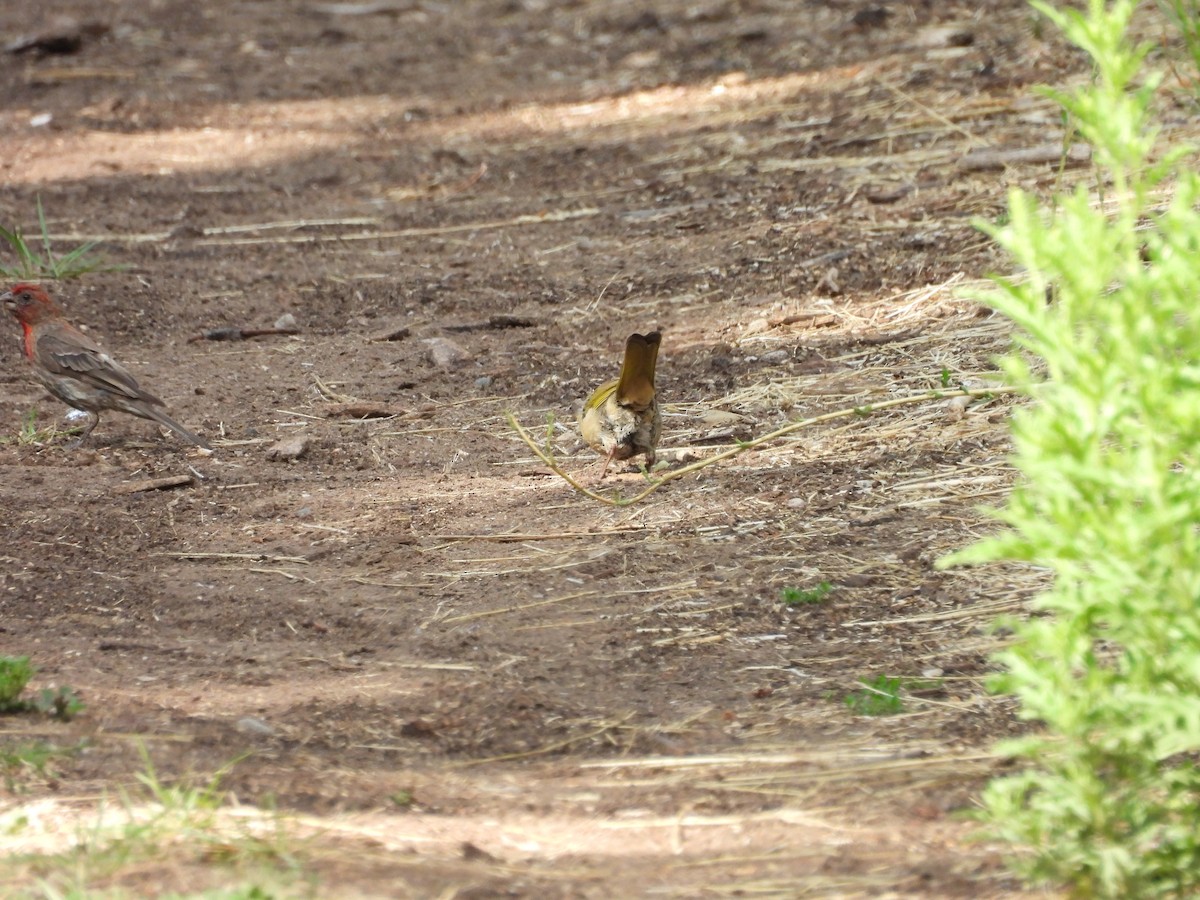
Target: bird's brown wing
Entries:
(90, 364)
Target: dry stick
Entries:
(288, 575)
(291, 224)
(239, 334)
(469, 617)
(937, 116)
(252, 557)
(517, 537)
(330, 394)
(488, 225)
(541, 751)
(553, 465)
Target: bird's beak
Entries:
(7, 299)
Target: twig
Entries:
(155, 484)
(288, 575)
(252, 557)
(239, 334)
(554, 467)
(489, 225)
(867, 409)
(470, 617)
(519, 538)
(328, 393)
(291, 224)
(542, 751)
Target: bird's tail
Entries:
(163, 419)
(636, 386)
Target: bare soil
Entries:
(467, 678)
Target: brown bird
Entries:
(76, 369)
(621, 419)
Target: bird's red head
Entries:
(29, 303)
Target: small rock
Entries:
(289, 449)
(871, 17)
(641, 59)
(757, 326)
(796, 503)
(715, 418)
(887, 193)
(484, 381)
(772, 357)
(361, 409)
(933, 672)
(251, 725)
(65, 36)
(943, 36)
(646, 20)
(472, 852)
(418, 728)
(446, 354)
(286, 321)
(395, 334)
(956, 408)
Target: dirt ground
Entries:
(461, 676)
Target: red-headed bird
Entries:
(76, 369)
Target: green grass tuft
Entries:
(33, 265)
(792, 596)
(879, 696)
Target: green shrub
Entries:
(15, 672)
(1109, 501)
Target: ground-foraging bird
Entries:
(76, 369)
(621, 418)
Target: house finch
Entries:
(75, 369)
(621, 418)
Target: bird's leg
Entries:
(607, 461)
(93, 421)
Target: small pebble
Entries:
(446, 354)
(757, 326)
(956, 408)
(288, 449)
(719, 417)
(251, 725)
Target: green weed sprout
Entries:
(32, 265)
(15, 672)
(31, 433)
(880, 696)
(792, 596)
(1109, 500)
